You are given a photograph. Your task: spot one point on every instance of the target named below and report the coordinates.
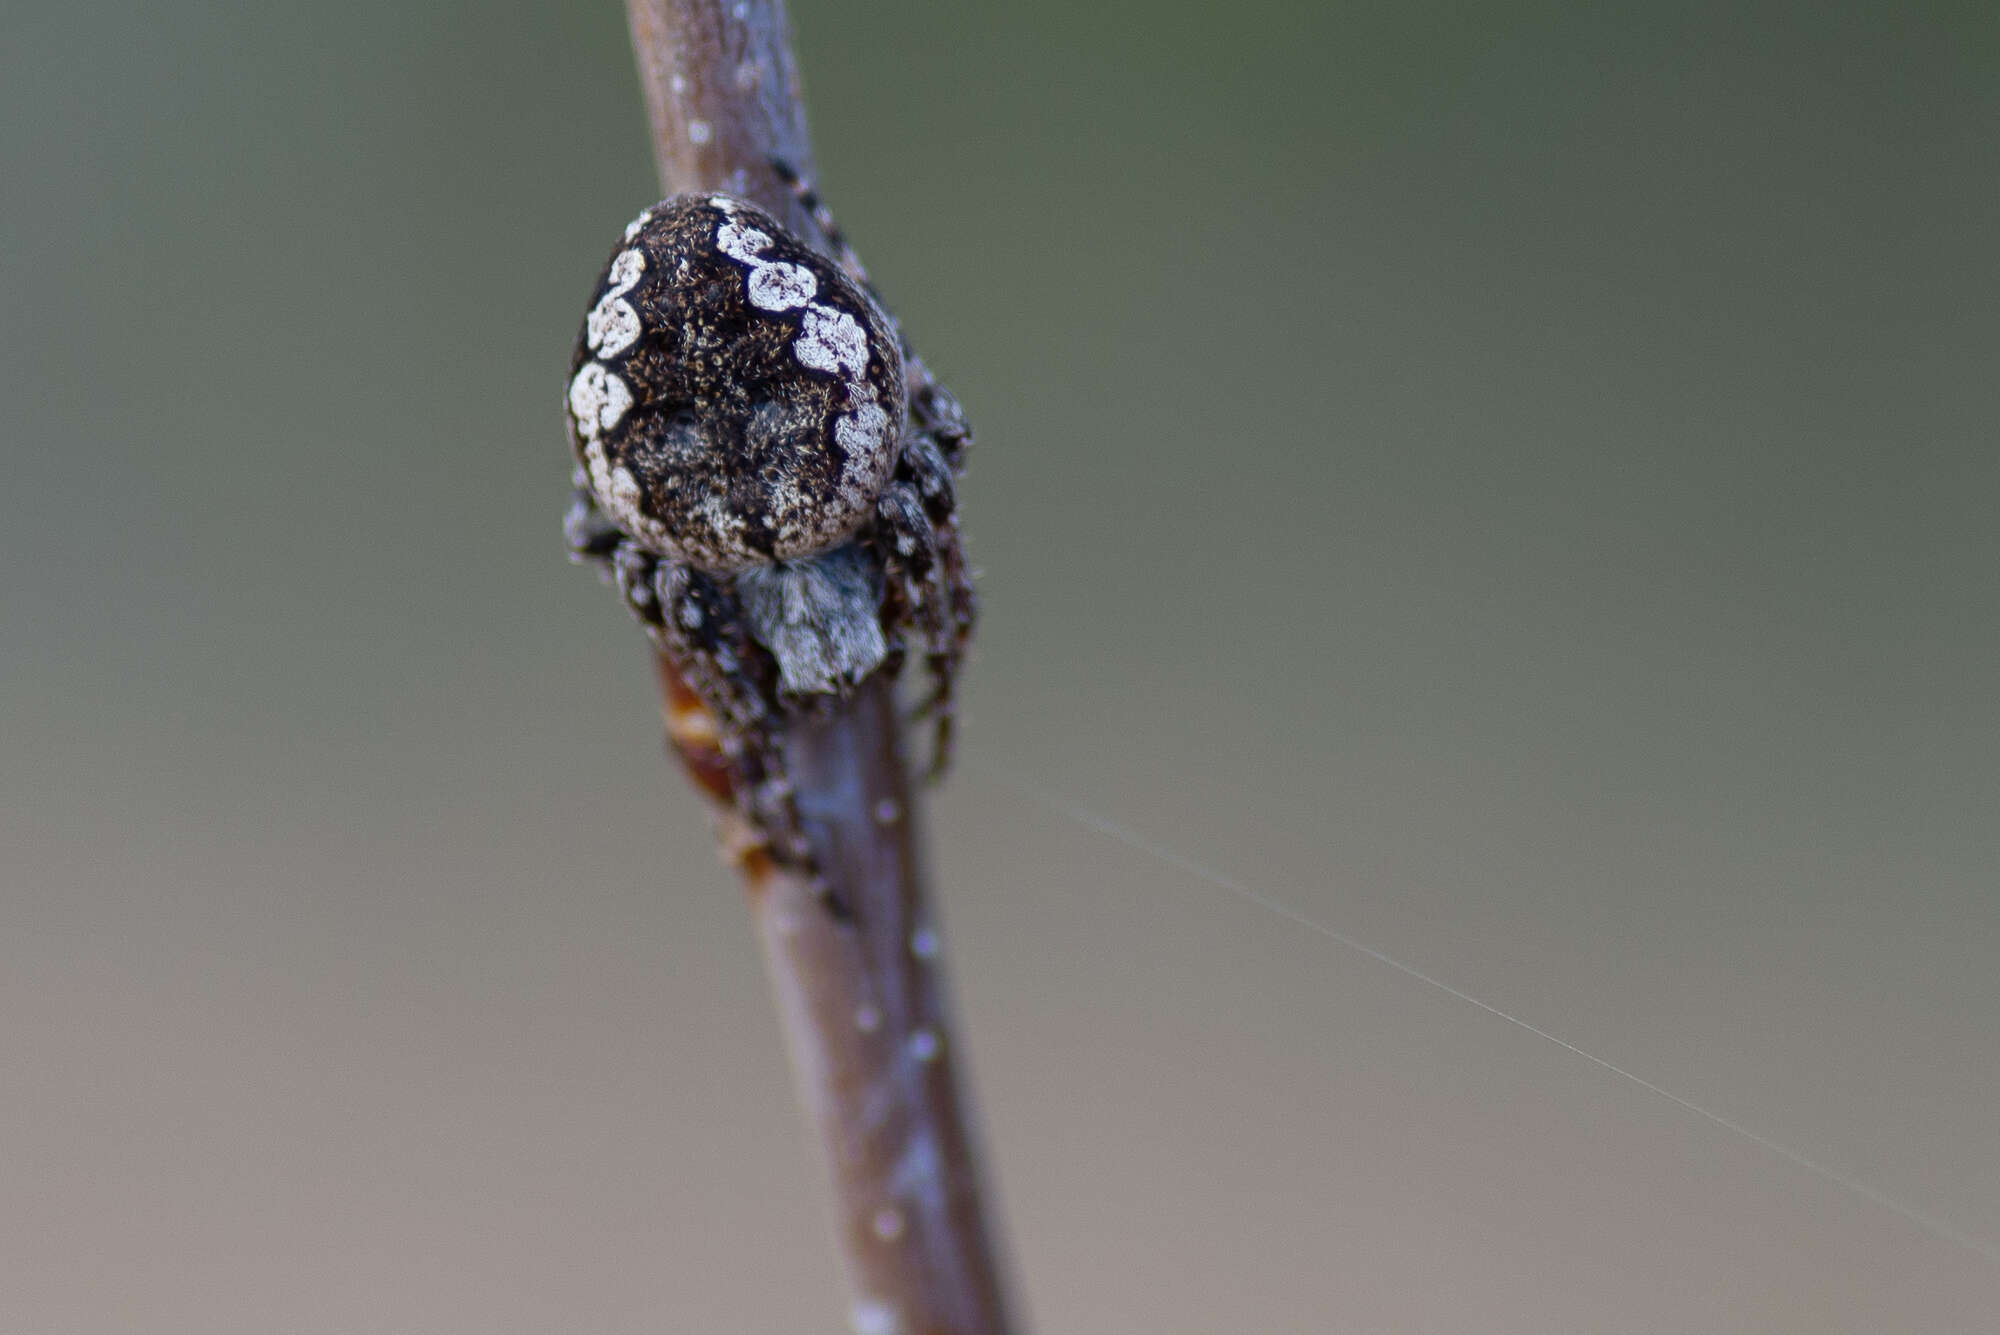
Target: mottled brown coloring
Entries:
(730, 437)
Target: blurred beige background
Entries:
(1512, 485)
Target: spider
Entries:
(765, 468)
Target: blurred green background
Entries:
(1512, 484)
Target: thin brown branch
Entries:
(861, 999)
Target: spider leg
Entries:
(934, 411)
(948, 653)
(594, 540)
(950, 624)
(803, 191)
(695, 618)
(911, 552)
(701, 627)
(927, 566)
(590, 535)
(924, 464)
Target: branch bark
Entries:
(862, 1000)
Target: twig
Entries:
(861, 999)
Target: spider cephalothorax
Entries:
(766, 469)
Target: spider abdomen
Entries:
(736, 400)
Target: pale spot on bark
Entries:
(873, 1317)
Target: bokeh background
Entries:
(1513, 486)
